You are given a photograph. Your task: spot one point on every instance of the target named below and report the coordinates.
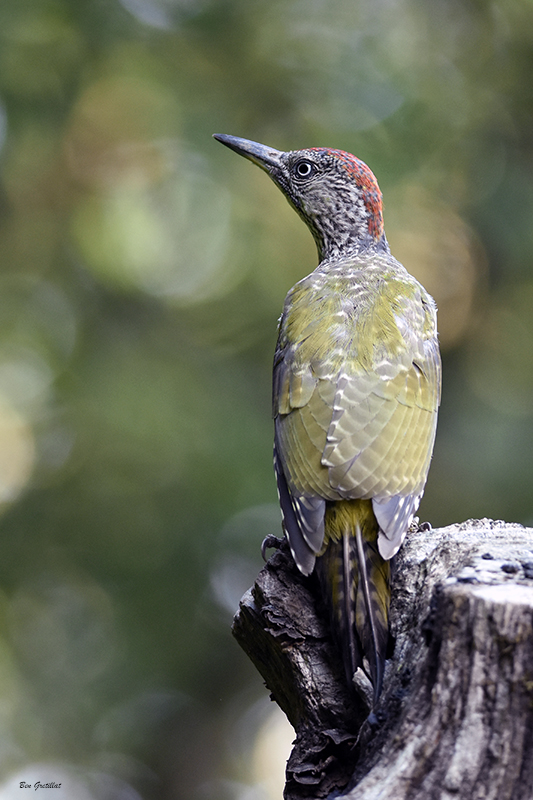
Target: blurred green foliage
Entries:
(142, 271)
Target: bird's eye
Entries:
(304, 169)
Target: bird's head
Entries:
(334, 192)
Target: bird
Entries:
(355, 395)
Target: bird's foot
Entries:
(417, 526)
(269, 542)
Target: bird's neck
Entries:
(347, 244)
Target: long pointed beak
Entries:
(265, 157)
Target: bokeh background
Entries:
(142, 271)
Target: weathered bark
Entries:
(455, 720)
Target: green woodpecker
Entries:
(356, 391)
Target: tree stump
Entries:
(455, 719)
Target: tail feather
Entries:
(355, 583)
(375, 589)
(349, 626)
